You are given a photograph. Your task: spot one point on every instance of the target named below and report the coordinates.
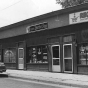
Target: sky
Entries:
(12, 11)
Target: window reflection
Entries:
(68, 64)
(55, 50)
(67, 51)
(56, 62)
(37, 54)
(10, 55)
(83, 54)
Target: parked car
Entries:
(2, 67)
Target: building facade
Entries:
(55, 42)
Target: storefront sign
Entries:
(78, 17)
(37, 27)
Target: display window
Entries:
(83, 54)
(37, 54)
(9, 55)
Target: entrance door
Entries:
(55, 58)
(20, 58)
(67, 58)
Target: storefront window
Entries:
(10, 55)
(37, 54)
(83, 54)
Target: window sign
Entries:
(78, 17)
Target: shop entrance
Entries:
(55, 58)
(20, 58)
(67, 58)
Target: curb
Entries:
(49, 81)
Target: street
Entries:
(7, 82)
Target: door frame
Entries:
(68, 58)
(21, 58)
(55, 58)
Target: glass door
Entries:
(20, 58)
(55, 58)
(67, 58)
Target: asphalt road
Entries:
(7, 82)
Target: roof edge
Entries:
(50, 14)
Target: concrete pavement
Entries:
(61, 78)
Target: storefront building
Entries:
(55, 42)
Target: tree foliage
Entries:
(70, 3)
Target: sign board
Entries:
(78, 17)
(37, 27)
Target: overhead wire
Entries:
(11, 5)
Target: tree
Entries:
(70, 3)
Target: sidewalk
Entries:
(61, 78)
